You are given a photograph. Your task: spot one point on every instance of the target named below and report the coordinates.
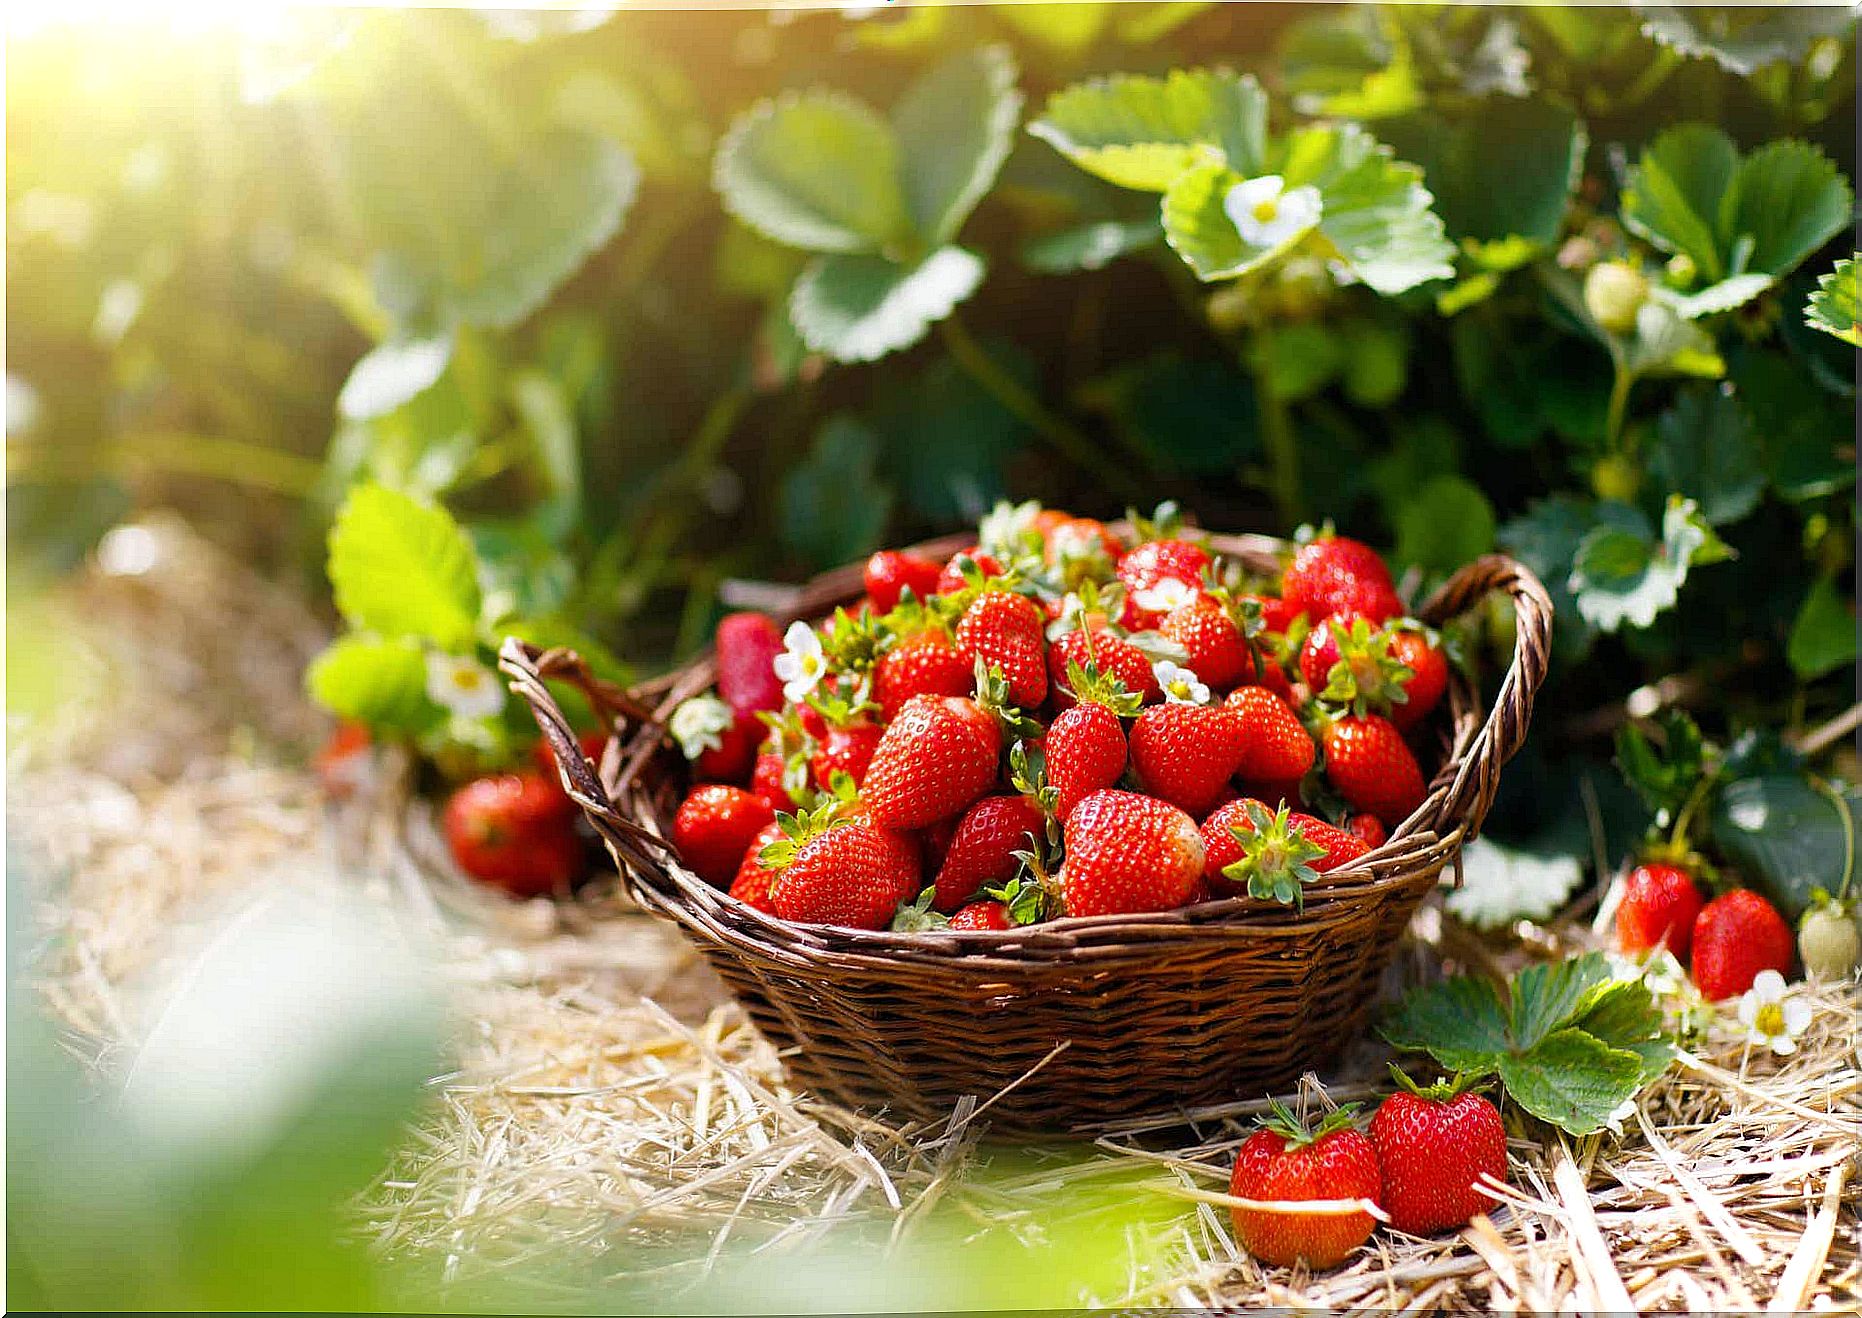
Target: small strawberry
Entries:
(1374, 771)
(1434, 1146)
(751, 886)
(514, 831)
(952, 579)
(345, 762)
(1217, 652)
(1828, 941)
(1737, 935)
(1128, 853)
(1368, 829)
(889, 573)
(844, 748)
(1284, 1163)
(934, 759)
(1275, 746)
(983, 851)
(748, 644)
(1102, 649)
(1270, 854)
(1186, 753)
(714, 825)
(720, 742)
(1004, 630)
(1657, 909)
(926, 665)
(769, 780)
(992, 916)
(1331, 576)
(1428, 678)
(1085, 746)
(841, 872)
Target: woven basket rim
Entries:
(620, 798)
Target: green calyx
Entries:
(803, 827)
(1296, 1132)
(1367, 678)
(853, 641)
(1443, 1090)
(1090, 686)
(1276, 857)
(1166, 523)
(1028, 775)
(916, 917)
(992, 693)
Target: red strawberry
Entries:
(1736, 935)
(751, 886)
(714, 825)
(1367, 762)
(345, 761)
(1433, 1145)
(1275, 746)
(1154, 560)
(748, 644)
(925, 665)
(514, 831)
(982, 851)
(889, 572)
(720, 742)
(848, 873)
(1369, 829)
(1332, 576)
(766, 781)
(1285, 1162)
(1429, 669)
(951, 579)
(1105, 650)
(1005, 630)
(1077, 540)
(1085, 751)
(935, 758)
(1128, 853)
(844, 748)
(1218, 654)
(1250, 848)
(982, 915)
(1658, 908)
(1277, 614)
(1348, 661)
(1186, 753)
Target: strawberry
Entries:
(982, 916)
(1368, 829)
(1277, 614)
(751, 886)
(841, 872)
(1331, 576)
(714, 825)
(767, 780)
(1105, 650)
(344, 764)
(1433, 1147)
(1275, 746)
(1736, 935)
(926, 665)
(951, 579)
(1428, 678)
(1371, 767)
(1286, 1162)
(720, 742)
(935, 758)
(748, 644)
(889, 573)
(844, 748)
(1270, 853)
(982, 852)
(514, 831)
(1217, 652)
(1657, 909)
(1186, 753)
(1085, 746)
(1128, 853)
(1069, 540)
(1347, 661)
(1155, 560)
(1005, 630)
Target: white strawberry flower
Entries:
(699, 724)
(1179, 685)
(1772, 1017)
(1167, 595)
(463, 685)
(1006, 529)
(1267, 213)
(1071, 543)
(802, 664)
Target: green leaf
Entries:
(1180, 416)
(1665, 776)
(1444, 525)
(1785, 836)
(1376, 210)
(859, 308)
(1823, 637)
(946, 442)
(831, 509)
(1622, 1014)
(1140, 132)
(1790, 201)
(1743, 41)
(1706, 448)
(1461, 1022)
(818, 170)
(1673, 192)
(1726, 295)
(1376, 360)
(1065, 29)
(539, 402)
(1832, 308)
(1500, 885)
(400, 567)
(1572, 1080)
(1504, 169)
(1666, 344)
(1199, 230)
(392, 373)
(1546, 994)
(1798, 424)
(1546, 538)
(1621, 575)
(1090, 246)
(954, 127)
(380, 683)
(1297, 360)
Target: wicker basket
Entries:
(1084, 1021)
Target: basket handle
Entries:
(1470, 795)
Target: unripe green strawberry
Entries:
(1614, 292)
(1434, 1145)
(1828, 941)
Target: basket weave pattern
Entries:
(1099, 1019)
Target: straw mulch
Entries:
(613, 1115)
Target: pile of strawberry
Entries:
(1058, 722)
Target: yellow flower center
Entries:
(811, 665)
(465, 679)
(1267, 210)
(1770, 1019)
